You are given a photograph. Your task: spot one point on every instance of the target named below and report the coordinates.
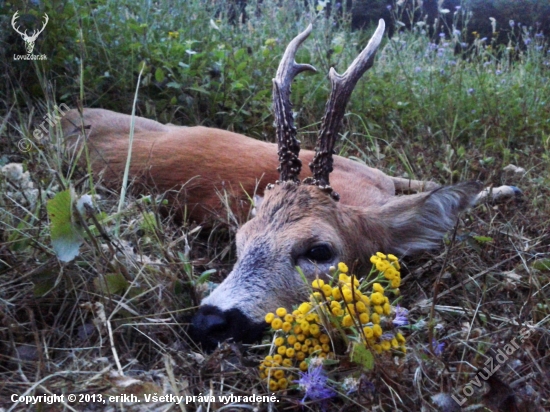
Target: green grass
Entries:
(430, 108)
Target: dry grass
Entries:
(114, 321)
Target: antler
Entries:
(289, 147)
(342, 87)
(15, 17)
(35, 33)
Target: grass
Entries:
(113, 321)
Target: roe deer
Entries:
(314, 224)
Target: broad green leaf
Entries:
(112, 283)
(159, 75)
(66, 238)
(362, 356)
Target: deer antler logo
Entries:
(29, 40)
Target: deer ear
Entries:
(258, 200)
(416, 223)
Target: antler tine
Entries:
(289, 147)
(342, 87)
(13, 20)
(37, 32)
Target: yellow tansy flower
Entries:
(318, 283)
(281, 312)
(277, 324)
(304, 308)
(367, 330)
(342, 267)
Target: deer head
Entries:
(305, 225)
(29, 39)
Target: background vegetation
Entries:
(447, 102)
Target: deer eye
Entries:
(319, 253)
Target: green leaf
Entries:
(149, 223)
(239, 54)
(17, 239)
(43, 283)
(159, 75)
(242, 66)
(66, 238)
(543, 265)
(362, 356)
(200, 90)
(483, 239)
(204, 276)
(112, 283)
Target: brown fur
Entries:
(207, 160)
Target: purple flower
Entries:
(457, 8)
(388, 6)
(456, 32)
(417, 69)
(314, 383)
(512, 23)
(387, 336)
(400, 317)
(464, 45)
(527, 41)
(498, 72)
(437, 348)
(441, 35)
(471, 91)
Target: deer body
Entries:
(313, 225)
(206, 161)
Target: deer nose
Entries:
(211, 326)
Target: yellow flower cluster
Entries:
(349, 308)
(299, 337)
(389, 266)
(364, 316)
